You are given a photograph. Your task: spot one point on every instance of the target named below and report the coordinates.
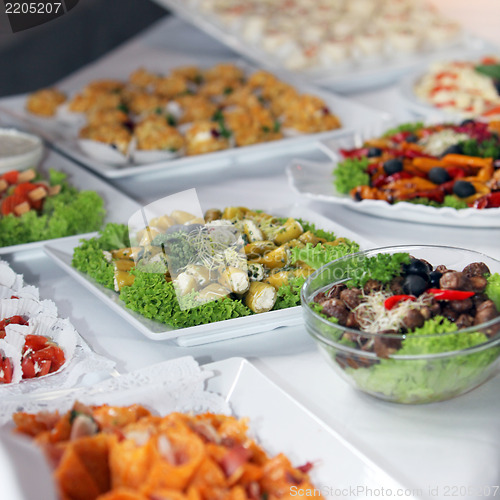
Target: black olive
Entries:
(434, 278)
(414, 285)
(463, 189)
(412, 138)
(439, 175)
(467, 122)
(393, 166)
(497, 86)
(373, 152)
(418, 268)
(456, 149)
(357, 196)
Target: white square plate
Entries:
(351, 114)
(62, 253)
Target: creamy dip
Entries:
(14, 143)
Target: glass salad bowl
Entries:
(443, 347)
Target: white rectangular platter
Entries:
(62, 252)
(118, 206)
(346, 76)
(352, 115)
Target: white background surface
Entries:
(449, 444)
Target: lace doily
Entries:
(81, 362)
(176, 385)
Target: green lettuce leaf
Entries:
(153, 297)
(351, 173)
(319, 255)
(493, 289)
(421, 380)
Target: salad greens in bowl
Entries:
(408, 324)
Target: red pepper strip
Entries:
(400, 136)
(456, 172)
(440, 294)
(380, 180)
(372, 168)
(436, 195)
(411, 153)
(394, 300)
(491, 200)
(354, 153)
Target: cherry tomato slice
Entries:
(11, 176)
(6, 371)
(50, 353)
(28, 367)
(45, 368)
(35, 342)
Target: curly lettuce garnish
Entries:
(409, 381)
(67, 213)
(351, 173)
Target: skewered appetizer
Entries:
(190, 111)
(466, 87)
(34, 209)
(442, 165)
(183, 272)
(117, 453)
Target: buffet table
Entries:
(430, 451)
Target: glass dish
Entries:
(419, 377)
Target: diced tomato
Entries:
(13, 320)
(50, 353)
(24, 188)
(446, 74)
(11, 177)
(444, 88)
(45, 366)
(10, 203)
(6, 370)
(28, 367)
(35, 342)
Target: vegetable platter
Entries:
(191, 330)
(363, 44)
(449, 150)
(191, 126)
(82, 204)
